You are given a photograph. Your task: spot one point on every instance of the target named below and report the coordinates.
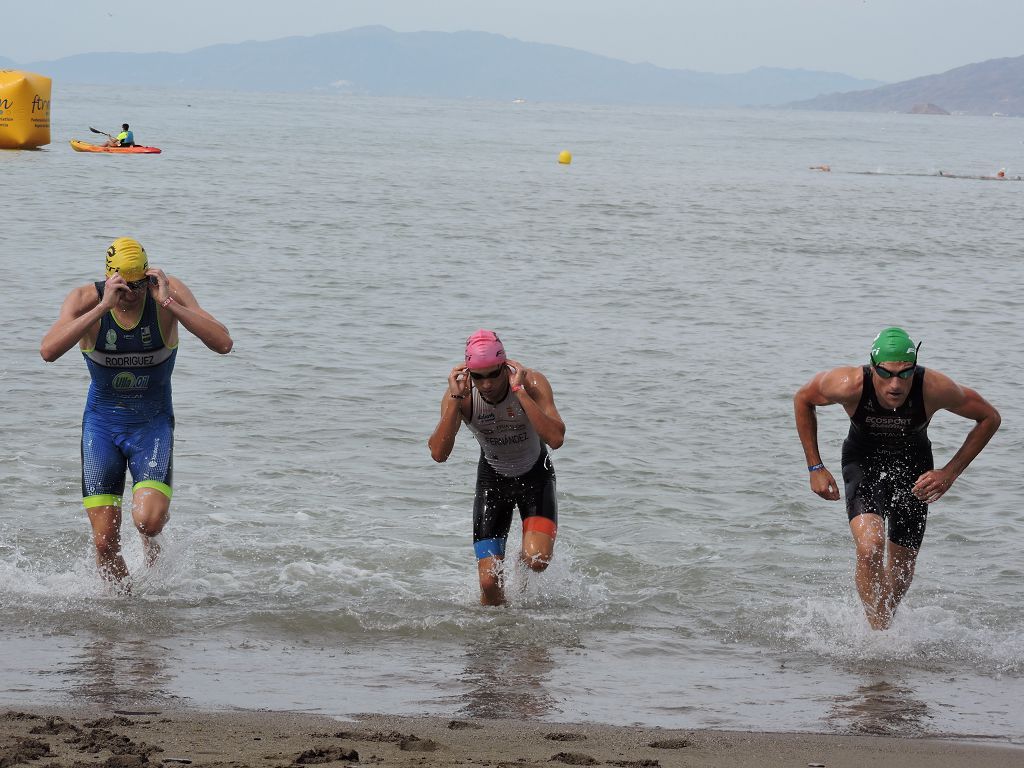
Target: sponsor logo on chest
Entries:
(126, 381)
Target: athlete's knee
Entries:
(151, 525)
(151, 508)
(537, 554)
(870, 548)
(537, 564)
(492, 587)
(538, 542)
(151, 521)
(147, 528)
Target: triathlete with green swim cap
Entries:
(127, 329)
(887, 462)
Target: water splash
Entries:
(926, 637)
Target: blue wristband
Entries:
(816, 467)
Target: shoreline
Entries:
(154, 736)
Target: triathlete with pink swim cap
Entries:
(511, 411)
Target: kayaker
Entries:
(124, 139)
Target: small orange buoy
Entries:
(565, 157)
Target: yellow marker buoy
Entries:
(24, 109)
(565, 157)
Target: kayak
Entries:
(84, 146)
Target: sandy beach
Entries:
(130, 738)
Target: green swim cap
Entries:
(893, 345)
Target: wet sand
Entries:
(77, 738)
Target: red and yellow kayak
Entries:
(84, 146)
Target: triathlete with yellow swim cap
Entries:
(888, 467)
(511, 412)
(127, 329)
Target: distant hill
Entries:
(7, 63)
(994, 86)
(379, 61)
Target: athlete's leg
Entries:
(492, 580)
(538, 543)
(907, 524)
(103, 467)
(150, 513)
(492, 517)
(150, 452)
(538, 549)
(864, 510)
(872, 585)
(908, 519)
(539, 509)
(106, 535)
(899, 574)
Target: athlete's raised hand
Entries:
(159, 286)
(823, 484)
(458, 381)
(516, 373)
(115, 288)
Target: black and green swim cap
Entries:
(893, 345)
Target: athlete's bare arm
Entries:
(538, 402)
(942, 393)
(79, 315)
(840, 385)
(186, 310)
(454, 406)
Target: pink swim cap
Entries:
(484, 350)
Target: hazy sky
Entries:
(882, 39)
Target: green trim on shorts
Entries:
(156, 485)
(102, 500)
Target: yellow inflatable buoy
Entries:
(24, 109)
(565, 157)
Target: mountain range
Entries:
(990, 87)
(460, 65)
(479, 65)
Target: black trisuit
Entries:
(884, 454)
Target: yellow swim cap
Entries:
(127, 257)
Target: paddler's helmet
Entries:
(127, 257)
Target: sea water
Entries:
(676, 283)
